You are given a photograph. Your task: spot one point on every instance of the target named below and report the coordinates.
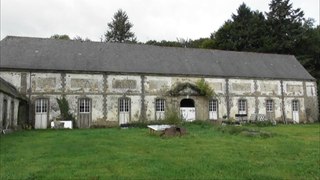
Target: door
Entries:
(187, 110)
(160, 104)
(124, 111)
(213, 107)
(269, 109)
(12, 114)
(84, 113)
(4, 114)
(295, 111)
(41, 114)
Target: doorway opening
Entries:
(187, 110)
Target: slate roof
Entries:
(9, 89)
(67, 55)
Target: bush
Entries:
(172, 117)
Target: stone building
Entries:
(11, 101)
(111, 83)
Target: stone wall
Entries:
(104, 91)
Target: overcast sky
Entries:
(152, 19)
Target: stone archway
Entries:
(187, 110)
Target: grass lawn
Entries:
(293, 152)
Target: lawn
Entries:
(292, 152)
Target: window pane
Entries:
(84, 105)
(242, 105)
(269, 105)
(213, 105)
(295, 105)
(124, 105)
(160, 105)
(41, 105)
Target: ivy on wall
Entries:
(201, 87)
(64, 109)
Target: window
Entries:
(160, 105)
(41, 105)
(213, 105)
(124, 105)
(84, 105)
(242, 105)
(269, 105)
(295, 105)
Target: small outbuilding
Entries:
(13, 106)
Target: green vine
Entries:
(64, 109)
(205, 89)
(201, 87)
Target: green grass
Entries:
(293, 152)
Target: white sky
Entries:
(152, 19)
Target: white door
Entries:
(160, 104)
(41, 114)
(84, 113)
(295, 111)
(124, 111)
(188, 113)
(213, 106)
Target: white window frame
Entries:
(242, 105)
(213, 105)
(295, 105)
(124, 105)
(84, 105)
(269, 105)
(160, 105)
(41, 105)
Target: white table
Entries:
(154, 128)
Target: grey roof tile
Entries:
(50, 54)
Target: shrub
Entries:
(172, 117)
(64, 110)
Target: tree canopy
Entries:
(57, 36)
(285, 29)
(120, 28)
(244, 32)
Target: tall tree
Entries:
(244, 32)
(119, 28)
(285, 27)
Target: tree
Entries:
(57, 36)
(78, 38)
(284, 27)
(244, 32)
(119, 29)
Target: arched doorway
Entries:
(187, 109)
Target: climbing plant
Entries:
(201, 87)
(205, 89)
(64, 109)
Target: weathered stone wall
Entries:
(10, 119)
(104, 91)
